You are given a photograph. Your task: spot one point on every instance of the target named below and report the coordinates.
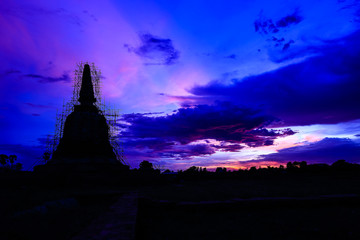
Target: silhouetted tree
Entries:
(290, 166)
(252, 169)
(220, 170)
(303, 165)
(192, 169)
(296, 164)
(167, 171)
(341, 165)
(146, 166)
(12, 159)
(3, 159)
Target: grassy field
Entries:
(258, 221)
(286, 207)
(38, 208)
(279, 186)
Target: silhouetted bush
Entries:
(342, 165)
(148, 168)
(7, 163)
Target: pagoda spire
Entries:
(86, 96)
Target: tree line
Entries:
(8, 163)
(289, 168)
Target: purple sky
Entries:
(205, 83)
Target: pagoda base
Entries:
(81, 167)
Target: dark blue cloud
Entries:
(272, 29)
(11, 71)
(232, 56)
(287, 45)
(321, 89)
(177, 135)
(38, 105)
(157, 148)
(266, 26)
(45, 79)
(290, 19)
(157, 51)
(182, 152)
(278, 41)
(222, 121)
(327, 150)
(41, 78)
(224, 147)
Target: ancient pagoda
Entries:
(85, 139)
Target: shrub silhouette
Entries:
(146, 166)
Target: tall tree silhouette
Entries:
(3, 159)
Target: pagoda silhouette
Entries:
(85, 142)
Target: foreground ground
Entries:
(282, 207)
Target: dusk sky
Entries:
(206, 83)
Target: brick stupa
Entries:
(85, 142)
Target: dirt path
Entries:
(117, 223)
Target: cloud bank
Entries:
(155, 50)
(327, 150)
(322, 89)
(198, 130)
